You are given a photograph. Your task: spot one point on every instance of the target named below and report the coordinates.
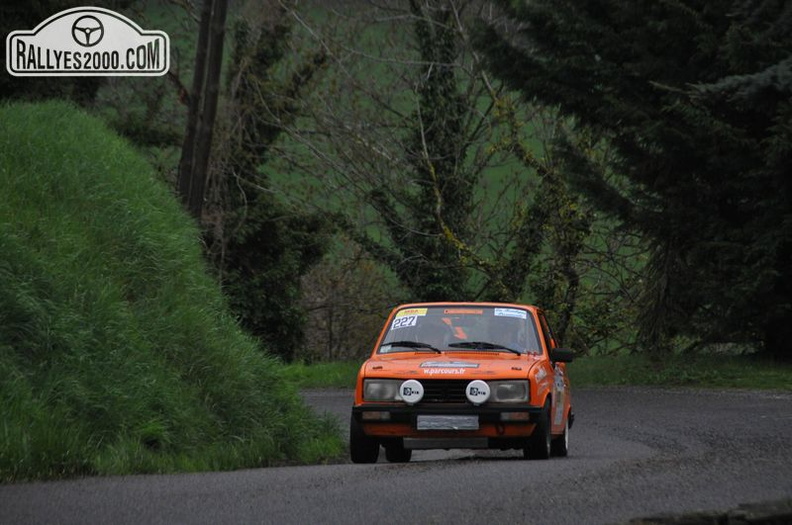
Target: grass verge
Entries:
(705, 370)
(117, 352)
(337, 374)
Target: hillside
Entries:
(117, 354)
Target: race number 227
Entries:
(403, 322)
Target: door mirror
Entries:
(563, 355)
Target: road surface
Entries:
(633, 452)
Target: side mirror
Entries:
(563, 355)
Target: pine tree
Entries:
(694, 96)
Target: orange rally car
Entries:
(462, 375)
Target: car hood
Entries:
(450, 365)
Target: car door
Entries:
(561, 398)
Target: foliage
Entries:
(261, 248)
(347, 297)
(425, 209)
(426, 164)
(116, 349)
(701, 171)
(440, 205)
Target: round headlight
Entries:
(477, 392)
(411, 391)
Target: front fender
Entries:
(541, 378)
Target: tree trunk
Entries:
(197, 146)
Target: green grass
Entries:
(706, 371)
(117, 353)
(337, 374)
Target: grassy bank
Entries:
(706, 371)
(117, 354)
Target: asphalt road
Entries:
(633, 452)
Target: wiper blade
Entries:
(484, 345)
(413, 344)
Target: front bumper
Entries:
(493, 421)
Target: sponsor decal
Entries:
(444, 371)
(560, 396)
(559, 383)
(511, 312)
(411, 391)
(87, 41)
(477, 392)
(462, 311)
(410, 311)
(448, 364)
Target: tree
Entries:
(197, 147)
(694, 98)
(346, 296)
(260, 247)
(438, 204)
(426, 165)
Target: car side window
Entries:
(534, 346)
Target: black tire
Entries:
(539, 443)
(362, 448)
(396, 453)
(560, 445)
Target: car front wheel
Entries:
(539, 444)
(396, 453)
(560, 445)
(362, 448)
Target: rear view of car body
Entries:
(462, 375)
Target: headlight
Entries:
(509, 391)
(381, 389)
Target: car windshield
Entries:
(462, 329)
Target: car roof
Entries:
(467, 303)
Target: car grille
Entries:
(444, 391)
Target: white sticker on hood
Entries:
(448, 364)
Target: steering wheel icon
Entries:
(87, 31)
